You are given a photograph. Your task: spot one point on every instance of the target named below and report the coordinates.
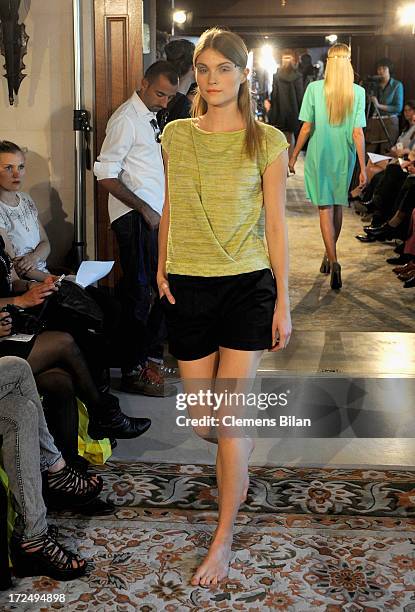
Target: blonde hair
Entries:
(231, 46)
(338, 84)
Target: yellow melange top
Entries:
(217, 218)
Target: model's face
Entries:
(408, 113)
(12, 170)
(383, 71)
(218, 78)
(157, 95)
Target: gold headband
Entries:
(339, 57)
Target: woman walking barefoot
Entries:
(333, 111)
(225, 190)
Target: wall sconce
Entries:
(13, 45)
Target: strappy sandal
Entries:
(70, 488)
(45, 556)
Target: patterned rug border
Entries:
(271, 472)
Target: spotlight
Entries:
(179, 17)
(268, 64)
(407, 16)
(332, 38)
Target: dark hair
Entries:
(411, 104)
(385, 61)
(180, 54)
(162, 68)
(9, 147)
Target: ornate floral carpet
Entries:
(307, 539)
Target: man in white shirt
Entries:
(130, 167)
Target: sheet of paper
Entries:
(18, 337)
(92, 271)
(375, 157)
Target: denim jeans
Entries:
(27, 444)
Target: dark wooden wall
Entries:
(118, 71)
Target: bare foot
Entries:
(216, 565)
(245, 490)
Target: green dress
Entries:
(331, 153)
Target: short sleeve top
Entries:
(217, 218)
(22, 226)
(313, 107)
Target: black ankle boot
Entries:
(112, 423)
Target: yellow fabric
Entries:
(11, 514)
(95, 451)
(216, 201)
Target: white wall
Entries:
(41, 119)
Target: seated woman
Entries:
(19, 221)
(28, 449)
(401, 148)
(51, 349)
(394, 202)
(28, 246)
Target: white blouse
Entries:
(22, 226)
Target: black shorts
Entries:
(228, 311)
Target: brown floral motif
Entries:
(351, 583)
(278, 601)
(320, 497)
(404, 562)
(407, 499)
(166, 556)
(45, 584)
(117, 570)
(128, 489)
(168, 590)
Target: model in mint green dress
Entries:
(331, 153)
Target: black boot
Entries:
(112, 423)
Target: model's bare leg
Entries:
(328, 231)
(233, 457)
(338, 220)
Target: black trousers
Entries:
(143, 325)
(385, 199)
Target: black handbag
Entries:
(71, 306)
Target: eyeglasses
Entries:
(156, 129)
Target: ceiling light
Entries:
(179, 17)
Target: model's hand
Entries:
(164, 288)
(5, 324)
(36, 294)
(291, 164)
(362, 179)
(151, 217)
(281, 328)
(25, 263)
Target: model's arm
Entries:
(303, 136)
(162, 280)
(359, 141)
(274, 185)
